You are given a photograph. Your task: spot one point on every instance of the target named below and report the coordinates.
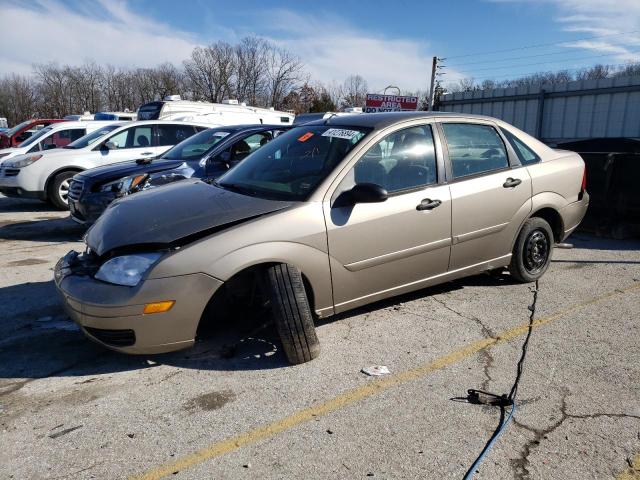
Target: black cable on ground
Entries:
(503, 401)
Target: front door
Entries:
(381, 249)
(490, 194)
(130, 144)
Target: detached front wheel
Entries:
(532, 251)
(292, 314)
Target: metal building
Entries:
(608, 107)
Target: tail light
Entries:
(583, 187)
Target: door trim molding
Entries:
(465, 237)
(400, 254)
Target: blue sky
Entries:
(386, 42)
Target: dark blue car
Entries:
(207, 154)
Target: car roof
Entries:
(385, 119)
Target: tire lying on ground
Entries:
(292, 314)
(532, 251)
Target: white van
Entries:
(46, 175)
(229, 112)
(3, 123)
(55, 135)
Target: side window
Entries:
(173, 134)
(257, 140)
(402, 160)
(62, 138)
(120, 138)
(525, 154)
(474, 149)
(139, 137)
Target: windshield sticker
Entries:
(340, 133)
(305, 137)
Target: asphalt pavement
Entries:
(231, 407)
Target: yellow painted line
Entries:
(352, 396)
(632, 472)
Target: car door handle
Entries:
(512, 182)
(428, 204)
(146, 153)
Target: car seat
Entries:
(239, 151)
(142, 141)
(369, 170)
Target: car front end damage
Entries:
(153, 316)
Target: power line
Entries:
(522, 75)
(516, 58)
(541, 45)
(554, 61)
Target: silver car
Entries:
(329, 216)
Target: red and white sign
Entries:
(377, 102)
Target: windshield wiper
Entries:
(236, 187)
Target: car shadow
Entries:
(40, 340)
(43, 230)
(589, 241)
(9, 204)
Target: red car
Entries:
(18, 134)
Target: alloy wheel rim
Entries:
(63, 191)
(536, 251)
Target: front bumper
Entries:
(573, 214)
(112, 315)
(11, 186)
(89, 206)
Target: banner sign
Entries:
(377, 102)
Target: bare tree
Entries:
(284, 71)
(251, 66)
(353, 92)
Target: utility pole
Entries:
(434, 66)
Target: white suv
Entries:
(45, 175)
(53, 136)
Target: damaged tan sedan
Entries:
(327, 217)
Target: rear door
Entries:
(130, 144)
(168, 135)
(490, 192)
(381, 249)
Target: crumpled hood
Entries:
(161, 216)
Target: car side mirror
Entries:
(110, 145)
(362, 193)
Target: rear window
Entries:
(526, 155)
(150, 111)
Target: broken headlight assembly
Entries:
(126, 270)
(125, 185)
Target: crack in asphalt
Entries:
(521, 464)
(485, 355)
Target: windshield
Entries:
(17, 128)
(91, 137)
(150, 111)
(294, 164)
(197, 146)
(33, 138)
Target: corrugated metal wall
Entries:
(608, 107)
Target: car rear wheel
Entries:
(58, 191)
(532, 251)
(292, 314)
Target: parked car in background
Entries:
(113, 116)
(46, 175)
(207, 154)
(3, 124)
(327, 217)
(56, 135)
(229, 112)
(18, 134)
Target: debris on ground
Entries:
(376, 370)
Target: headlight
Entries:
(23, 162)
(125, 185)
(128, 269)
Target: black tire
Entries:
(54, 194)
(532, 251)
(292, 314)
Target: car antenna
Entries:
(330, 117)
